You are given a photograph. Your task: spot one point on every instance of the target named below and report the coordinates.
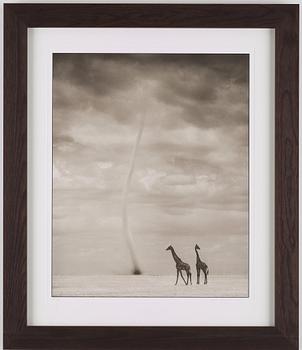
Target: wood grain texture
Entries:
(172, 338)
(15, 173)
(151, 16)
(284, 19)
(287, 176)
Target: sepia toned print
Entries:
(150, 175)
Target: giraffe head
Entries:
(169, 248)
(197, 246)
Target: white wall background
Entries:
(121, 1)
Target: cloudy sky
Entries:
(190, 183)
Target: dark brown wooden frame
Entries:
(284, 19)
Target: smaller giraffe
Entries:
(200, 265)
(180, 265)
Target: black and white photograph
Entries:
(150, 175)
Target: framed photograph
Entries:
(150, 176)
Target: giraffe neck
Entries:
(196, 251)
(175, 257)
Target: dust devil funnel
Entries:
(127, 232)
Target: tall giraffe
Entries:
(200, 265)
(180, 265)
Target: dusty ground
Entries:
(148, 286)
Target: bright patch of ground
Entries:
(148, 286)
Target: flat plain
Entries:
(219, 286)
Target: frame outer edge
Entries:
(15, 176)
(287, 176)
(284, 18)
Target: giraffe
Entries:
(180, 265)
(200, 265)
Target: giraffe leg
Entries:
(177, 277)
(205, 278)
(198, 275)
(182, 277)
(189, 278)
